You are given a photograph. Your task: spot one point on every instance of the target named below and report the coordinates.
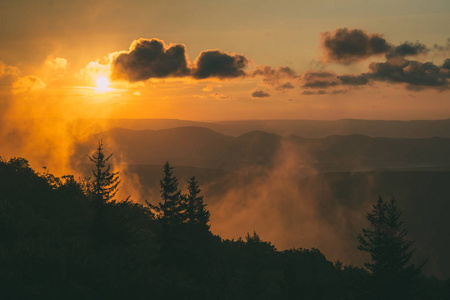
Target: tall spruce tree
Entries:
(105, 184)
(390, 250)
(171, 209)
(196, 212)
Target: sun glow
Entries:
(102, 84)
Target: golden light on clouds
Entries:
(28, 83)
(207, 72)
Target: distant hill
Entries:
(303, 128)
(204, 148)
(319, 129)
(187, 146)
(305, 187)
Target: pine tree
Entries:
(196, 212)
(104, 186)
(171, 209)
(390, 250)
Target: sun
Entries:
(102, 84)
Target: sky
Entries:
(225, 60)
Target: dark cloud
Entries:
(353, 79)
(215, 63)
(442, 48)
(274, 74)
(415, 74)
(309, 93)
(446, 64)
(327, 79)
(277, 78)
(150, 58)
(407, 49)
(349, 45)
(285, 86)
(319, 79)
(260, 94)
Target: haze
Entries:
(267, 96)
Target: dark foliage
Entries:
(196, 213)
(105, 184)
(390, 250)
(49, 249)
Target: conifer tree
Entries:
(196, 212)
(171, 209)
(390, 250)
(104, 186)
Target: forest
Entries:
(68, 238)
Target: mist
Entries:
(283, 193)
(276, 203)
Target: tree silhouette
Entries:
(390, 252)
(47, 251)
(196, 212)
(105, 184)
(171, 209)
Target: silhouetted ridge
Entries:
(204, 148)
(60, 242)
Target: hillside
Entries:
(204, 148)
(303, 128)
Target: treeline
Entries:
(63, 238)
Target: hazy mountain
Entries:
(270, 183)
(188, 146)
(303, 128)
(201, 147)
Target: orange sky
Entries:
(52, 54)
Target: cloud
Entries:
(28, 84)
(415, 74)
(319, 79)
(271, 73)
(446, 64)
(260, 94)
(92, 70)
(278, 79)
(446, 47)
(323, 92)
(218, 64)
(8, 74)
(208, 88)
(354, 80)
(327, 79)
(219, 96)
(350, 45)
(273, 76)
(407, 49)
(309, 93)
(10, 77)
(285, 86)
(56, 63)
(150, 58)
